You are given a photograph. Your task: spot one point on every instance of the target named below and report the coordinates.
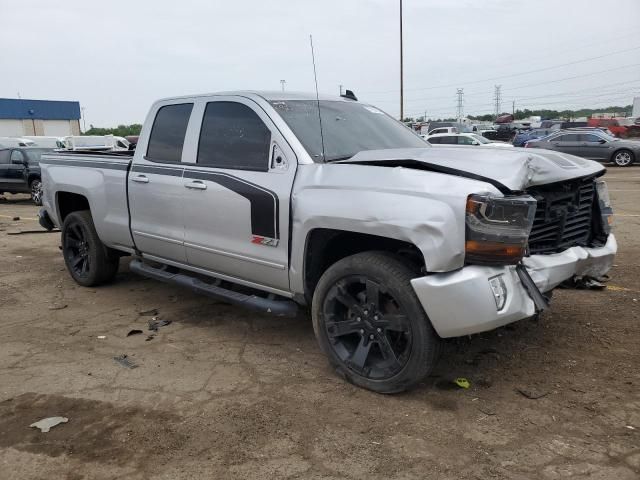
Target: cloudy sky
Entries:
(117, 57)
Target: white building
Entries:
(19, 117)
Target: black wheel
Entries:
(623, 158)
(35, 187)
(89, 262)
(371, 325)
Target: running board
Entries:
(280, 308)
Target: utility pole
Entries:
(513, 108)
(282, 82)
(460, 109)
(401, 70)
(498, 99)
(340, 90)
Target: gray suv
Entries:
(591, 144)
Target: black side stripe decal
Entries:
(86, 163)
(264, 203)
(265, 206)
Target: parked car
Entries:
(594, 145)
(20, 171)
(441, 130)
(391, 243)
(504, 133)
(523, 137)
(610, 124)
(46, 142)
(16, 142)
(463, 139)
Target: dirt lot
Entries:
(225, 393)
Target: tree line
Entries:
(119, 131)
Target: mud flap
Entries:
(540, 301)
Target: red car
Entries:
(611, 123)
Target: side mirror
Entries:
(602, 141)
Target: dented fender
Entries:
(425, 209)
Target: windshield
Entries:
(347, 128)
(480, 139)
(34, 154)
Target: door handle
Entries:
(196, 184)
(140, 179)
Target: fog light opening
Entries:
(499, 290)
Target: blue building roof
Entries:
(16, 108)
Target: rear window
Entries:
(168, 131)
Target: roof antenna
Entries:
(315, 77)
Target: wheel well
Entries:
(623, 149)
(70, 202)
(325, 247)
(32, 177)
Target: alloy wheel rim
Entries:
(623, 158)
(77, 250)
(367, 328)
(36, 191)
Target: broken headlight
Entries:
(604, 202)
(497, 228)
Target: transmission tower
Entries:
(498, 99)
(460, 108)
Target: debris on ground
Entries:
(150, 337)
(462, 382)
(531, 393)
(15, 219)
(125, 361)
(135, 331)
(156, 323)
(48, 423)
(148, 313)
(585, 283)
(58, 306)
(102, 337)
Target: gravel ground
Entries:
(226, 393)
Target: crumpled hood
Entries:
(516, 169)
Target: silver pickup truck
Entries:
(278, 200)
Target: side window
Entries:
(590, 138)
(464, 140)
(434, 140)
(233, 136)
(449, 140)
(167, 133)
(4, 156)
(16, 156)
(567, 138)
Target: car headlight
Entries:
(604, 202)
(497, 228)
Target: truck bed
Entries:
(98, 177)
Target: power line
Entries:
(516, 74)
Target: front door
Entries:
(12, 171)
(156, 188)
(237, 188)
(594, 147)
(568, 143)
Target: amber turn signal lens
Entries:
(490, 252)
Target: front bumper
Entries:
(462, 302)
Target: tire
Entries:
(370, 324)
(89, 262)
(623, 158)
(35, 187)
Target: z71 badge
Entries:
(271, 242)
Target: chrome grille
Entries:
(563, 216)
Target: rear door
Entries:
(156, 187)
(15, 172)
(237, 189)
(567, 143)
